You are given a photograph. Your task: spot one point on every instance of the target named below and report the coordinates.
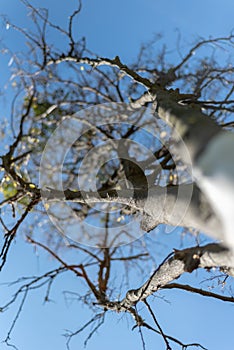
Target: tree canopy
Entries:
(102, 155)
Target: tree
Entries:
(149, 144)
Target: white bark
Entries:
(215, 176)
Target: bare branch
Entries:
(158, 325)
(187, 260)
(98, 317)
(10, 235)
(52, 253)
(205, 293)
(201, 43)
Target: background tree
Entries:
(147, 126)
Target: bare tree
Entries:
(150, 144)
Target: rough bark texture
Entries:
(187, 260)
(194, 127)
(181, 205)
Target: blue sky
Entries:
(113, 28)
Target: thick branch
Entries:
(181, 205)
(187, 260)
(96, 62)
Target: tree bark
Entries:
(187, 260)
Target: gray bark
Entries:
(182, 205)
(187, 260)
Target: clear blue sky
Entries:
(111, 28)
